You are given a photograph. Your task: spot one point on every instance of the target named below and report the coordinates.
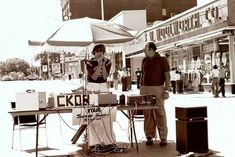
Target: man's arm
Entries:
(142, 73)
(167, 80)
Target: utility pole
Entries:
(48, 64)
(102, 9)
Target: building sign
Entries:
(44, 68)
(179, 27)
(55, 68)
(200, 18)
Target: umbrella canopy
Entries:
(84, 31)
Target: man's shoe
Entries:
(163, 143)
(149, 142)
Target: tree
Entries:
(17, 65)
(2, 68)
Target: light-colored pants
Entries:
(97, 87)
(215, 86)
(115, 84)
(155, 117)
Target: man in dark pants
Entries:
(222, 75)
(124, 79)
(173, 79)
(138, 75)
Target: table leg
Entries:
(133, 124)
(37, 129)
(131, 127)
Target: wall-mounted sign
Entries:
(55, 68)
(203, 17)
(44, 68)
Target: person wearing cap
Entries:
(138, 74)
(155, 80)
(98, 69)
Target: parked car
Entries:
(6, 78)
(32, 77)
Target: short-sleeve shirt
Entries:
(91, 66)
(222, 73)
(138, 73)
(215, 73)
(153, 70)
(115, 75)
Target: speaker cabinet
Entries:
(190, 112)
(191, 132)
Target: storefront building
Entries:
(196, 40)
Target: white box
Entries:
(30, 101)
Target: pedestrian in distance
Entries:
(129, 82)
(215, 81)
(115, 79)
(138, 74)
(155, 80)
(180, 83)
(124, 79)
(222, 76)
(173, 79)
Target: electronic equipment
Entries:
(141, 99)
(103, 99)
(30, 101)
(50, 102)
(190, 112)
(122, 99)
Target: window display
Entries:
(196, 65)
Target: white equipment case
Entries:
(30, 101)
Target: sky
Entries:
(22, 20)
(29, 19)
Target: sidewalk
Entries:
(221, 126)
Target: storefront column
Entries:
(123, 59)
(113, 59)
(232, 61)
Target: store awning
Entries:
(139, 53)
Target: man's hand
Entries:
(166, 95)
(167, 86)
